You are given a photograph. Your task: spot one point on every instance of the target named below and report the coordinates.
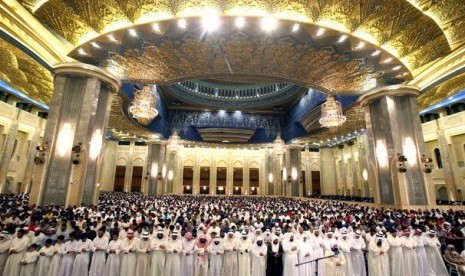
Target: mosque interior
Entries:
(360, 98)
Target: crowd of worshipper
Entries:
(344, 198)
(132, 234)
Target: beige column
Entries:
(75, 130)
(447, 164)
(7, 152)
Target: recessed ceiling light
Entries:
(240, 22)
(132, 32)
(211, 22)
(156, 27)
(389, 59)
(376, 53)
(182, 23)
(320, 32)
(112, 38)
(360, 45)
(342, 38)
(269, 23)
(295, 27)
(405, 74)
(82, 52)
(95, 45)
(397, 68)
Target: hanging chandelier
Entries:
(142, 106)
(331, 113)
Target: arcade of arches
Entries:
(226, 97)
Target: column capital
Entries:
(391, 90)
(83, 69)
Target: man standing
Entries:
(129, 258)
(216, 251)
(173, 260)
(291, 250)
(259, 258)
(158, 253)
(5, 242)
(18, 248)
(275, 253)
(396, 257)
(243, 259)
(201, 250)
(144, 255)
(99, 247)
(378, 259)
(433, 246)
(187, 258)
(113, 264)
(230, 267)
(358, 260)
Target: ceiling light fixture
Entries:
(156, 27)
(142, 107)
(111, 37)
(397, 68)
(132, 32)
(82, 52)
(240, 22)
(269, 23)
(376, 53)
(342, 38)
(320, 32)
(360, 45)
(211, 22)
(95, 45)
(331, 113)
(295, 27)
(389, 59)
(182, 23)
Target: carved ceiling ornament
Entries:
(403, 27)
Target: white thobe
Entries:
(4, 247)
(56, 260)
(345, 246)
(30, 261)
(259, 260)
(99, 247)
(306, 255)
(335, 266)
(45, 258)
(318, 252)
(290, 258)
(358, 260)
(81, 262)
(433, 253)
(396, 259)
(216, 258)
(243, 257)
(187, 258)
(408, 252)
(230, 262)
(36, 239)
(201, 261)
(378, 259)
(420, 253)
(144, 255)
(129, 257)
(158, 256)
(113, 264)
(68, 252)
(13, 263)
(173, 258)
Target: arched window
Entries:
(437, 154)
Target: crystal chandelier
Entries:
(142, 106)
(278, 143)
(331, 113)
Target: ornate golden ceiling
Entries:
(24, 73)
(441, 91)
(417, 31)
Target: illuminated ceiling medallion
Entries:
(142, 106)
(331, 113)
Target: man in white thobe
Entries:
(244, 246)
(291, 249)
(318, 251)
(158, 253)
(420, 253)
(433, 253)
(259, 251)
(129, 256)
(144, 254)
(230, 267)
(99, 247)
(173, 258)
(5, 241)
(345, 246)
(113, 264)
(45, 258)
(201, 253)
(396, 257)
(187, 257)
(408, 253)
(378, 259)
(81, 262)
(18, 248)
(358, 260)
(216, 251)
(305, 255)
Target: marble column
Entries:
(75, 130)
(155, 161)
(342, 171)
(443, 142)
(356, 191)
(294, 170)
(7, 152)
(269, 172)
(394, 129)
(28, 172)
(366, 160)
